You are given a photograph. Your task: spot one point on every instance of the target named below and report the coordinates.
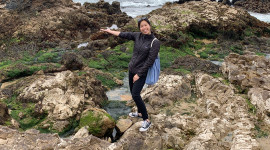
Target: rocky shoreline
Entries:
(50, 86)
(259, 6)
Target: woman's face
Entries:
(145, 27)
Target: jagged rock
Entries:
(133, 139)
(176, 89)
(71, 61)
(122, 125)
(64, 95)
(3, 113)
(227, 114)
(195, 64)
(261, 99)
(11, 139)
(38, 5)
(247, 70)
(260, 6)
(202, 18)
(82, 133)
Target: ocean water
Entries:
(262, 17)
(135, 7)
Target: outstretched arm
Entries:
(116, 33)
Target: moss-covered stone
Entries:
(24, 113)
(100, 123)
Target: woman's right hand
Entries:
(116, 33)
(106, 30)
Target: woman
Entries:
(142, 59)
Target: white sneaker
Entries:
(145, 126)
(134, 114)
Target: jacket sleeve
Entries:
(127, 35)
(153, 53)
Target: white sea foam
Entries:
(133, 3)
(135, 7)
(262, 17)
(82, 45)
(267, 56)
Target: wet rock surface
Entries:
(200, 14)
(192, 64)
(4, 116)
(260, 6)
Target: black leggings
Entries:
(135, 90)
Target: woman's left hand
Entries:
(135, 78)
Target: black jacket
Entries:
(143, 55)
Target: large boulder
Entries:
(4, 116)
(71, 61)
(248, 70)
(32, 139)
(228, 124)
(37, 5)
(122, 125)
(176, 86)
(203, 18)
(260, 98)
(260, 6)
(99, 122)
(63, 96)
(192, 64)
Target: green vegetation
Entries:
(196, 45)
(28, 64)
(93, 121)
(169, 112)
(81, 73)
(237, 49)
(201, 33)
(168, 55)
(24, 113)
(182, 70)
(47, 57)
(211, 53)
(203, 55)
(114, 61)
(73, 123)
(15, 73)
(248, 32)
(251, 108)
(5, 64)
(106, 81)
(193, 97)
(260, 133)
(260, 54)
(217, 75)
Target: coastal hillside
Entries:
(57, 68)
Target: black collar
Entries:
(148, 36)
